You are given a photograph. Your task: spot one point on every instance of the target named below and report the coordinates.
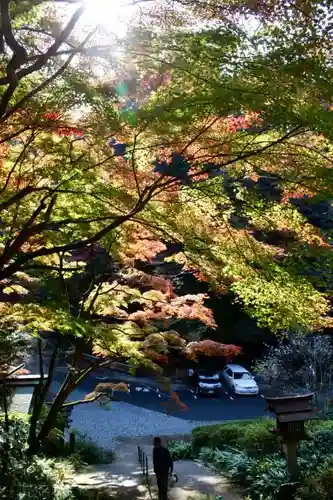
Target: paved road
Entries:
(199, 408)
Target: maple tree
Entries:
(260, 136)
(206, 147)
(65, 186)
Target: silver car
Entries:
(239, 380)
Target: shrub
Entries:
(93, 494)
(29, 477)
(200, 436)
(320, 485)
(35, 478)
(90, 453)
(261, 477)
(218, 435)
(319, 425)
(266, 476)
(251, 435)
(257, 438)
(181, 450)
(323, 441)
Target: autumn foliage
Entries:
(211, 348)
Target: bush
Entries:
(85, 450)
(29, 477)
(319, 425)
(218, 435)
(235, 464)
(251, 435)
(319, 486)
(93, 494)
(90, 453)
(246, 452)
(262, 478)
(266, 476)
(181, 450)
(257, 438)
(35, 478)
(323, 441)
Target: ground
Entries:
(141, 412)
(123, 479)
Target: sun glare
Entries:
(110, 14)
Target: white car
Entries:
(239, 380)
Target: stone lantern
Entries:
(291, 414)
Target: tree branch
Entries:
(19, 158)
(18, 50)
(14, 134)
(20, 195)
(88, 400)
(16, 266)
(51, 52)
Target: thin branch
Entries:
(134, 167)
(51, 52)
(83, 401)
(18, 50)
(19, 158)
(14, 134)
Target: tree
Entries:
(191, 147)
(259, 134)
(65, 187)
(301, 364)
(235, 123)
(121, 312)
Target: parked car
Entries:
(239, 380)
(207, 382)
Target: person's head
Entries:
(157, 442)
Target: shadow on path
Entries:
(123, 479)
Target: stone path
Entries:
(195, 481)
(123, 479)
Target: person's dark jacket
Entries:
(162, 460)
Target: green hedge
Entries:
(246, 451)
(254, 436)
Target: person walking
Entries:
(163, 466)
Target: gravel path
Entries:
(125, 420)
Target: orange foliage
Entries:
(141, 244)
(211, 348)
(190, 307)
(110, 386)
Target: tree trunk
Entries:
(72, 380)
(41, 393)
(36, 444)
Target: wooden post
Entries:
(290, 450)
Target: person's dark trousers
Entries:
(162, 485)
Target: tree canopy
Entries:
(207, 127)
(204, 132)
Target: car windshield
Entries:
(242, 375)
